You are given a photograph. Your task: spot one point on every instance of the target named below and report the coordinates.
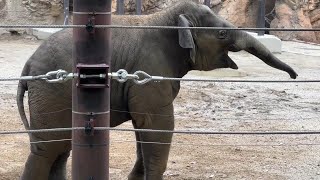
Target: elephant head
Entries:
(209, 48)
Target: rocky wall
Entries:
(31, 11)
(243, 13)
(297, 14)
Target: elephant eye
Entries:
(222, 34)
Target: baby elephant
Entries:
(170, 53)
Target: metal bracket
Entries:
(92, 76)
(222, 34)
(90, 25)
(89, 125)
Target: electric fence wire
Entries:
(177, 143)
(160, 27)
(199, 132)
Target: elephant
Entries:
(170, 53)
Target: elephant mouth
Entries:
(234, 48)
(230, 63)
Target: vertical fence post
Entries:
(66, 12)
(261, 16)
(91, 96)
(120, 7)
(207, 3)
(139, 6)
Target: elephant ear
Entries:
(185, 37)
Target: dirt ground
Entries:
(206, 106)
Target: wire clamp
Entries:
(122, 76)
(89, 125)
(90, 25)
(58, 76)
(145, 78)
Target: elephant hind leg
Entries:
(58, 169)
(37, 167)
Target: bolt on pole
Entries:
(91, 96)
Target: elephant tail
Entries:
(22, 88)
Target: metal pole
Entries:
(139, 6)
(261, 16)
(207, 3)
(120, 7)
(91, 97)
(66, 12)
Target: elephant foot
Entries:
(135, 176)
(36, 168)
(58, 169)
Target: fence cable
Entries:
(182, 143)
(25, 78)
(214, 119)
(199, 132)
(138, 77)
(160, 27)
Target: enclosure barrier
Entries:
(138, 77)
(167, 131)
(160, 27)
(141, 77)
(62, 76)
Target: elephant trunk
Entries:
(253, 46)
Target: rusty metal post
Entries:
(91, 96)
(207, 3)
(139, 6)
(261, 16)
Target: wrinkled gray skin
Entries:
(169, 53)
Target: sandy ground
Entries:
(206, 106)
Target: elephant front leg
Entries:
(155, 156)
(37, 167)
(58, 169)
(137, 172)
(155, 147)
(151, 108)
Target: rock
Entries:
(279, 14)
(3, 31)
(2, 9)
(292, 16)
(56, 9)
(32, 38)
(239, 12)
(315, 15)
(243, 13)
(315, 20)
(172, 174)
(222, 175)
(215, 2)
(148, 6)
(2, 4)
